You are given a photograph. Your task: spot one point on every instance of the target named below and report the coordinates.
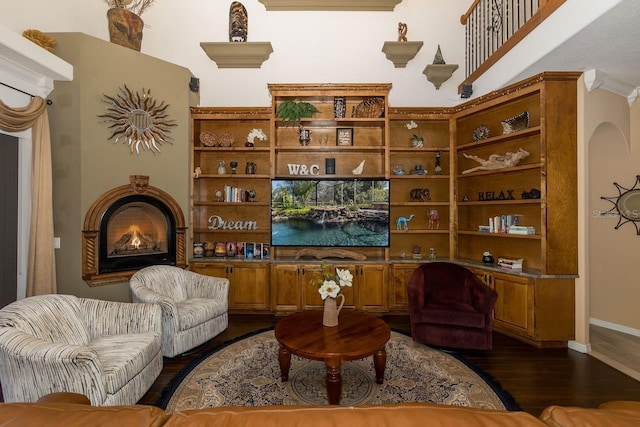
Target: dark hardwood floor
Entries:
(536, 378)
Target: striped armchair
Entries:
(108, 351)
(194, 306)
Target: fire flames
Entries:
(134, 241)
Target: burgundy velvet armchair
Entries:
(450, 307)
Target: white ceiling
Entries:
(610, 44)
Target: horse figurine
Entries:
(403, 222)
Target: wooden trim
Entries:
(467, 14)
(337, 5)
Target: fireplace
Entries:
(129, 228)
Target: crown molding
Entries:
(361, 5)
(28, 67)
(594, 79)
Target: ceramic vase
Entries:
(125, 28)
(331, 311)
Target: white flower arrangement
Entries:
(417, 140)
(329, 285)
(411, 125)
(256, 133)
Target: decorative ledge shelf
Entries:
(239, 54)
(401, 52)
(372, 5)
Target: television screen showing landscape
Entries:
(325, 212)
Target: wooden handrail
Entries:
(463, 18)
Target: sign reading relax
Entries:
(217, 223)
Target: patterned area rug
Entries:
(246, 373)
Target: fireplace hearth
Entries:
(129, 228)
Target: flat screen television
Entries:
(330, 212)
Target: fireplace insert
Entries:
(136, 231)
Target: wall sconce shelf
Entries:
(238, 54)
(401, 52)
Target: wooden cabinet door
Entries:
(398, 280)
(210, 269)
(311, 297)
(514, 309)
(371, 289)
(285, 290)
(249, 286)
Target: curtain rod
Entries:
(49, 102)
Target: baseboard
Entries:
(577, 346)
(615, 327)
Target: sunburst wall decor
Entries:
(626, 205)
(137, 119)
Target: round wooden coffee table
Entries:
(358, 335)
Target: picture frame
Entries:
(344, 136)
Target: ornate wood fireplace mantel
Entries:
(138, 185)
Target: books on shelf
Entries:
(235, 194)
(253, 250)
(507, 223)
(510, 263)
(521, 229)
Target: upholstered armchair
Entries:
(449, 306)
(194, 306)
(108, 351)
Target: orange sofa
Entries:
(70, 410)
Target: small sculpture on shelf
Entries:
(434, 219)
(238, 22)
(402, 32)
(419, 170)
(358, 170)
(234, 167)
(251, 168)
(417, 252)
(487, 258)
(398, 169)
(255, 133)
(197, 172)
(437, 168)
(304, 136)
(222, 169)
(402, 223)
(419, 195)
(497, 161)
(218, 195)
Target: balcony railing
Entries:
(493, 27)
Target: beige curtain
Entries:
(41, 275)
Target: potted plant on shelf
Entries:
(125, 24)
(292, 112)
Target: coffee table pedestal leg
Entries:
(379, 363)
(334, 381)
(284, 358)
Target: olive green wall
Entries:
(86, 163)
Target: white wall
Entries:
(308, 46)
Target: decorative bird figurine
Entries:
(359, 169)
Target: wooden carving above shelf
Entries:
(238, 54)
(372, 5)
